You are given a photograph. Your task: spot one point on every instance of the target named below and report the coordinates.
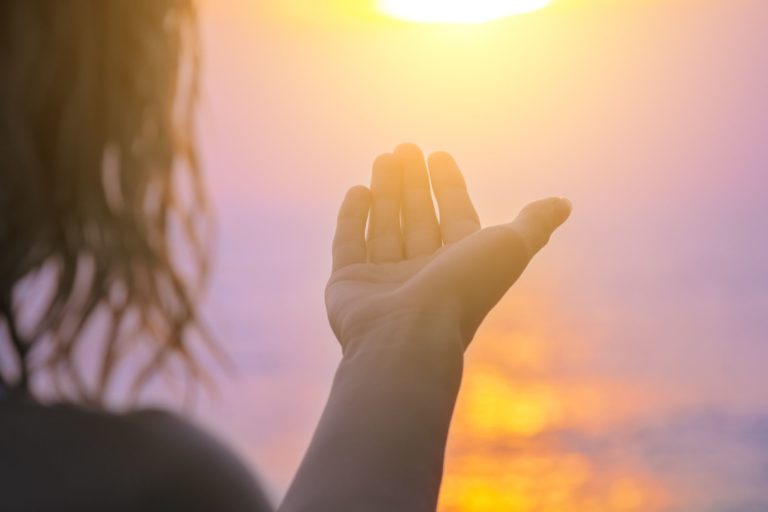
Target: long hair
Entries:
(100, 192)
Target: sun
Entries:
(457, 11)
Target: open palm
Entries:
(413, 271)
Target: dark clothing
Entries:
(379, 447)
(66, 458)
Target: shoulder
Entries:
(92, 460)
(201, 463)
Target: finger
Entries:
(538, 220)
(349, 245)
(479, 270)
(458, 217)
(385, 242)
(493, 259)
(421, 232)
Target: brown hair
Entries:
(100, 190)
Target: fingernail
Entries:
(564, 209)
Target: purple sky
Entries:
(649, 115)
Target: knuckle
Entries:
(515, 240)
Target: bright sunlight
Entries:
(457, 11)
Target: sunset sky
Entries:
(626, 370)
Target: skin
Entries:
(409, 288)
(449, 270)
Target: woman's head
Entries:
(100, 195)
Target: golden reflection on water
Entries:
(494, 408)
(536, 477)
(505, 453)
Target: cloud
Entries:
(707, 460)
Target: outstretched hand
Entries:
(407, 293)
(412, 273)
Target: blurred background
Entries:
(625, 371)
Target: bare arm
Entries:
(404, 302)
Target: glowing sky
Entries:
(625, 372)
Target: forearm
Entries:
(380, 443)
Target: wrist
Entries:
(410, 349)
(406, 331)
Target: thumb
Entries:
(492, 259)
(538, 220)
(480, 269)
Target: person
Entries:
(96, 117)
